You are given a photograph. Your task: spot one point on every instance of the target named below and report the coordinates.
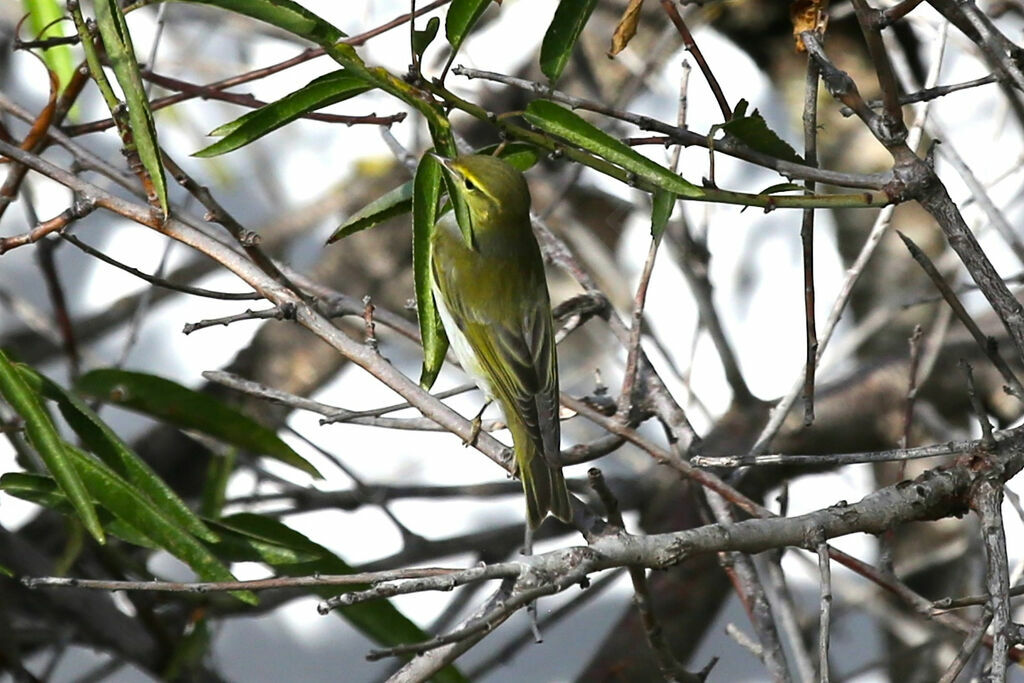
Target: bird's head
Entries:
(494, 191)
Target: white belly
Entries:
(460, 345)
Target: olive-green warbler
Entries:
(493, 301)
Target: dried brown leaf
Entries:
(807, 15)
(626, 29)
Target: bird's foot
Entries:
(477, 423)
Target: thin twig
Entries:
(984, 342)
(158, 281)
(825, 618)
(810, 121)
(691, 46)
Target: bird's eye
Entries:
(469, 185)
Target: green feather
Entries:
(495, 307)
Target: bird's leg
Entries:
(531, 609)
(477, 423)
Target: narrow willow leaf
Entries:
(426, 192)
(563, 32)
(285, 15)
(46, 14)
(245, 542)
(378, 619)
(43, 491)
(102, 441)
(422, 38)
(662, 204)
(462, 16)
(117, 42)
(126, 503)
(519, 154)
(783, 187)
(394, 203)
(754, 132)
(324, 91)
(183, 407)
(44, 438)
(215, 486)
(557, 120)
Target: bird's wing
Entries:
(518, 355)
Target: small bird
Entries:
(493, 302)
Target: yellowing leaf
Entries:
(626, 29)
(807, 15)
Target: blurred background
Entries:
(296, 186)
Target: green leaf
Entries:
(662, 204)
(118, 44)
(557, 120)
(426, 192)
(422, 38)
(122, 500)
(44, 438)
(521, 155)
(394, 203)
(102, 441)
(43, 491)
(45, 14)
(183, 407)
(379, 619)
(326, 90)
(215, 486)
(783, 187)
(285, 15)
(754, 132)
(242, 542)
(462, 16)
(563, 32)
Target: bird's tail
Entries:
(543, 485)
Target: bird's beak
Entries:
(445, 162)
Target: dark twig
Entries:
(897, 12)
(908, 410)
(158, 281)
(967, 649)
(671, 669)
(626, 403)
(740, 569)
(987, 438)
(48, 265)
(946, 604)
(810, 121)
(694, 262)
(870, 20)
(691, 46)
(985, 343)
(928, 94)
